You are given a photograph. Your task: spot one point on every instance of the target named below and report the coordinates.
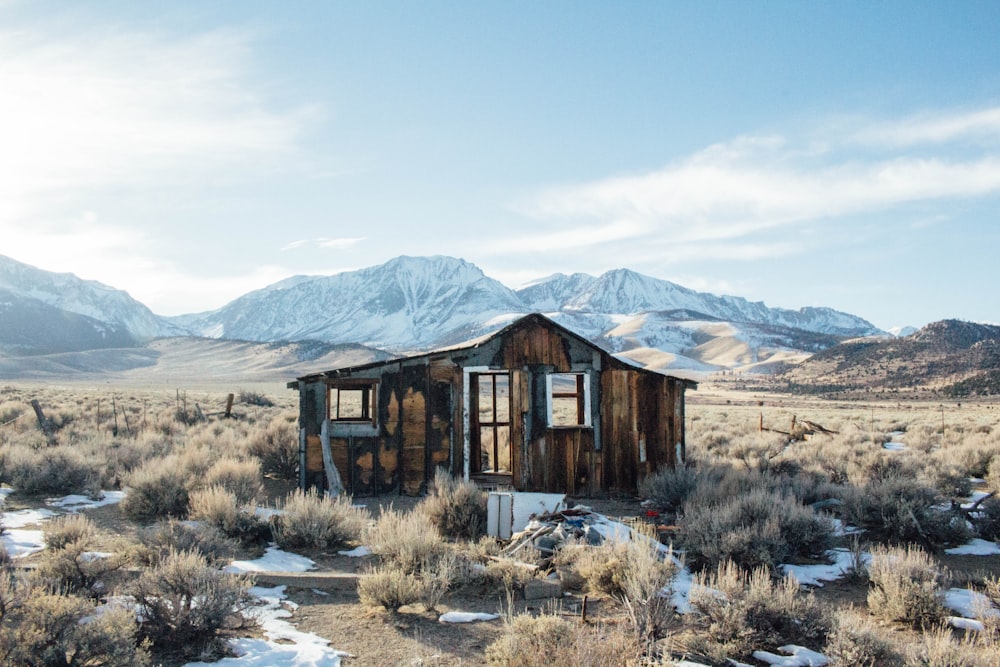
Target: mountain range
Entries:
(950, 358)
(414, 304)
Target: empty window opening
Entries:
(568, 399)
(353, 401)
(491, 450)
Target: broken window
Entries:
(568, 399)
(352, 400)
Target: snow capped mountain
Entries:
(418, 303)
(94, 300)
(626, 292)
(407, 303)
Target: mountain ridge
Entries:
(412, 304)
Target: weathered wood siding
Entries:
(636, 418)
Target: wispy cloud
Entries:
(109, 112)
(732, 193)
(934, 128)
(322, 242)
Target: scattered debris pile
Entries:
(548, 532)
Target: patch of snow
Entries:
(20, 543)
(356, 552)
(840, 529)
(296, 649)
(273, 560)
(815, 575)
(894, 446)
(22, 518)
(680, 591)
(977, 547)
(75, 503)
(966, 624)
(968, 602)
(89, 556)
(267, 512)
(466, 617)
(798, 656)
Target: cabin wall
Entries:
(642, 417)
(637, 420)
(413, 432)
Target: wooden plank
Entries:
(314, 454)
(414, 437)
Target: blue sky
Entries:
(838, 154)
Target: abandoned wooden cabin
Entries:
(532, 407)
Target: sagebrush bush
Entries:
(185, 604)
(855, 641)
(40, 628)
(388, 586)
(456, 507)
(49, 471)
(157, 490)
(312, 520)
(408, 540)
(277, 447)
(242, 478)
(898, 511)
(757, 528)
(64, 530)
(74, 568)
(219, 507)
(905, 586)
(940, 648)
(158, 540)
(740, 612)
(670, 488)
(547, 640)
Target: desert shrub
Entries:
(897, 510)
(64, 530)
(949, 481)
(741, 612)
(669, 488)
(158, 540)
(855, 641)
(50, 629)
(256, 398)
(505, 576)
(874, 466)
(905, 586)
(753, 529)
(241, 478)
(987, 522)
(73, 568)
(311, 520)
(156, 490)
(49, 471)
(185, 604)
(456, 507)
(547, 639)
(408, 540)
(219, 507)
(940, 648)
(647, 574)
(277, 448)
(389, 586)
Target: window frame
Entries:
(581, 394)
(369, 401)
